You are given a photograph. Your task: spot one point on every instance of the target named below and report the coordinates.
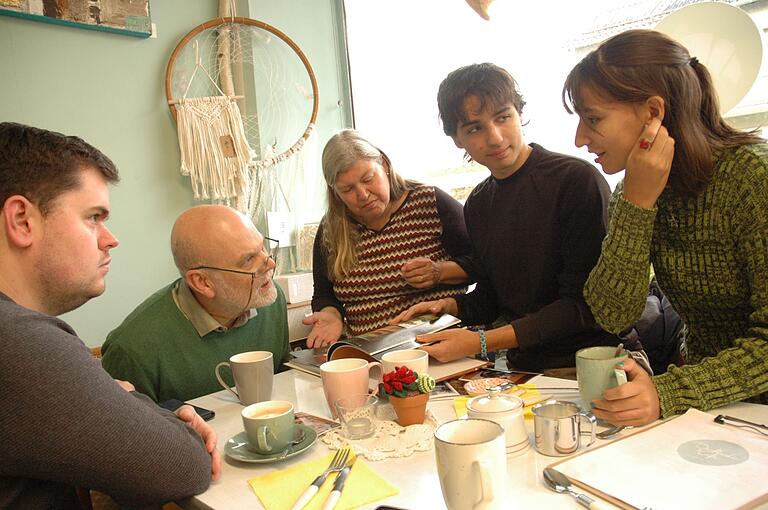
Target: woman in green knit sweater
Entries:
(694, 203)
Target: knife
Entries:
(558, 482)
(338, 485)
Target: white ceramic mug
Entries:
(345, 378)
(253, 372)
(415, 359)
(471, 464)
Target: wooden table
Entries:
(415, 476)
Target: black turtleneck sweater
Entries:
(536, 236)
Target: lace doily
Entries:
(390, 439)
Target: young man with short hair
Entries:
(536, 225)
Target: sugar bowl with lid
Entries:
(507, 411)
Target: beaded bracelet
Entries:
(483, 345)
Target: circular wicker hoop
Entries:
(269, 28)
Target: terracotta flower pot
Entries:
(410, 410)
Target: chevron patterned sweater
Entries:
(428, 224)
(710, 255)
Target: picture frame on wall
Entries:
(116, 16)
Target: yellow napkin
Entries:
(280, 490)
(460, 403)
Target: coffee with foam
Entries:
(269, 426)
(269, 412)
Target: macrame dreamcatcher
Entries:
(245, 99)
(214, 149)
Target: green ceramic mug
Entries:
(596, 372)
(269, 426)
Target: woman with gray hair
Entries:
(384, 244)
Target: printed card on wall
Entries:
(280, 227)
(117, 16)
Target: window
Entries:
(400, 51)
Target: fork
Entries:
(337, 464)
(333, 497)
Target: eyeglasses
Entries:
(271, 255)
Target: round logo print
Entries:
(710, 452)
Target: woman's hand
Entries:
(326, 327)
(446, 305)
(634, 403)
(450, 344)
(421, 273)
(648, 165)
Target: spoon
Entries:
(298, 437)
(559, 483)
(608, 433)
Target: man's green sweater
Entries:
(160, 352)
(710, 256)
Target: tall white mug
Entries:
(471, 464)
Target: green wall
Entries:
(109, 89)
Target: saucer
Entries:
(238, 448)
(477, 387)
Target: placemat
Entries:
(685, 462)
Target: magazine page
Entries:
(371, 346)
(400, 336)
(308, 360)
(317, 423)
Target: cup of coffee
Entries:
(345, 378)
(596, 372)
(357, 415)
(557, 427)
(471, 464)
(415, 359)
(253, 372)
(269, 426)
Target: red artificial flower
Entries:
(403, 372)
(399, 380)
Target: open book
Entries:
(373, 345)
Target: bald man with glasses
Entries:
(224, 303)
